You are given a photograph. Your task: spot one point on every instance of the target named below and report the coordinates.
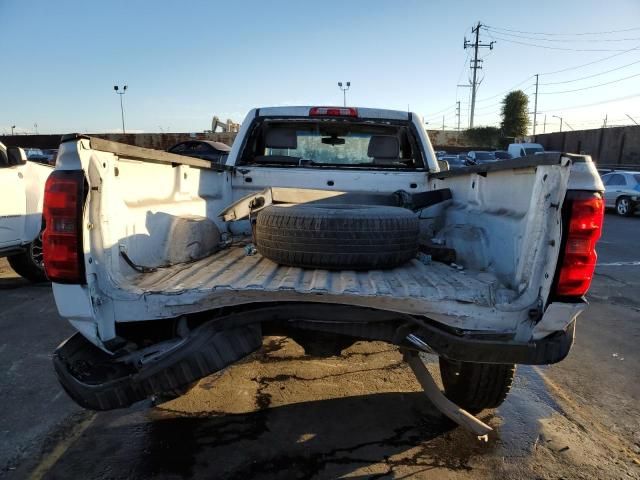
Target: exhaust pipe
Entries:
(442, 403)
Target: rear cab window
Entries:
(333, 142)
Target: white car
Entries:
(328, 224)
(22, 186)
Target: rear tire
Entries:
(624, 207)
(476, 386)
(339, 237)
(29, 264)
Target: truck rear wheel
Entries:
(349, 237)
(476, 386)
(30, 264)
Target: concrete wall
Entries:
(616, 146)
(158, 141)
(441, 140)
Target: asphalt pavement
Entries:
(280, 414)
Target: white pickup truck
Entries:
(330, 225)
(21, 193)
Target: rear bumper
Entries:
(96, 381)
(13, 250)
(480, 348)
(99, 381)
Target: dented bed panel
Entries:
(230, 277)
(232, 269)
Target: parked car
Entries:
(314, 231)
(205, 149)
(51, 154)
(502, 155)
(622, 192)
(36, 155)
(477, 157)
(455, 161)
(440, 153)
(517, 150)
(22, 186)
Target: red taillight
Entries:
(579, 259)
(62, 239)
(333, 112)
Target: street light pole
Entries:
(121, 93)
(13, 127)
(344, 91)
(555, 116)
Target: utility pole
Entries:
(535, 107)
(458, 114)
(13, 127)
(35, 125)
(124, 90)
(544, 126)
(344, 92)
(475, 66)
(443, 123)
(604, 125)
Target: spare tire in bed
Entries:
(337, 237)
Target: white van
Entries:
(522, 149)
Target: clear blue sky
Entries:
(186, 61)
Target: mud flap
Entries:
(96, 381)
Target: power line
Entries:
(594, 75)
(561, 48)
(592, 86)
(495, 112)
(508, 90)
(565, 34)
(566, 40)
(463, 66)
(594, 104)
(440, 112)
(592, 62)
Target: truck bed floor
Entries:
(409, 287)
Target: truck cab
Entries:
(21, 194)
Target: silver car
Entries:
(622, 191)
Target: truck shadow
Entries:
(390, 435)
(327, 438)
(377, 435)
(9, 283)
